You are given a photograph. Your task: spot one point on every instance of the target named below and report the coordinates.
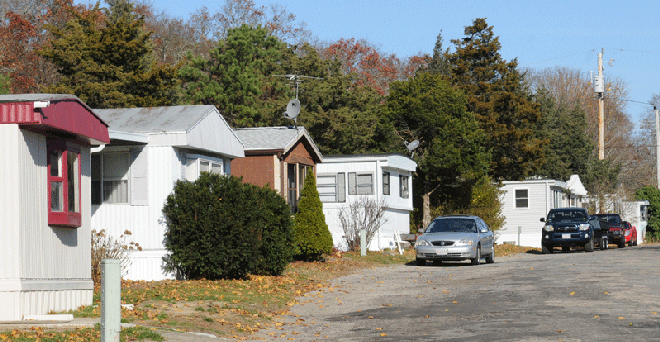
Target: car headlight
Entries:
(627, 232)
(584, 226)
(464, 242)
(547, 228)
(422, 242)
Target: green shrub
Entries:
(312, 237)
(651, 194)
(219, 227)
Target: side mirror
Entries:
(542, 219)
(484, 230)
(420, 230)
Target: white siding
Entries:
(10, 205)
(144, 222)
(397, 208)
(523, 226)
(43, 268)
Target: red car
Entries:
(630, 233)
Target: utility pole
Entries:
(599, 89)
(657, 146)
(601, 104)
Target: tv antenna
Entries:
(293, 108)
(412, 146)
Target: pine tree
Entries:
(450, 157)
(312, 237)
(233, 76)
(500, 100)
(106, 61)
(569, 150)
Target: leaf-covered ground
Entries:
(225, 308)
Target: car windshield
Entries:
(610, 218)
(460, 225)
(567, 215)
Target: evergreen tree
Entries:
(106, 62)
(439, 63)
(651, 194)
(233, 76)
(343, 117)
(450, 156)
(312, 237)
(500, 100)
(568, 150)
(5, 83)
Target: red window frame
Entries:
(63, 214)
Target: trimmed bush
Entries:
(313, 239)
(219, 227)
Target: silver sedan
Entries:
(456, 238)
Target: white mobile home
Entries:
(524, 203)
(341, 180)
(45, 259)
(150, 149)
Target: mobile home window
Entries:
(63, 184)
(404, 186)
(110, 172)
(196, 164)
(332, 188)
(522, 198)
(386, 183)
(360, 183)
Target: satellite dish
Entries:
(412, 145)
(292, 109)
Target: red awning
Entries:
(54, 112)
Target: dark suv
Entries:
(571, 227)
(614, 225)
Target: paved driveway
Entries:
(611, 295)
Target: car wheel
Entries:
(565, 249)
(603, 244)
(420, 262)
(622, 242)
(589, 246)
(490, 258)
(635, 244)
(477, 258)
(546, 249)
(437, 262)
(630, 243)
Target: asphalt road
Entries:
(610, 295)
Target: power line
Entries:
(554, 58)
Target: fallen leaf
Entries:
(573, 293)
(622, 318)
(596, 316)
(454, 302)
(370, 317)
(606, 292)
(383, 334)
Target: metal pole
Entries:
(110, 300)
(657, 146)
(363, 242)
(601, 113)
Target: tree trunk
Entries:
(426, 209)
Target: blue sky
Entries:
(540, 34)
